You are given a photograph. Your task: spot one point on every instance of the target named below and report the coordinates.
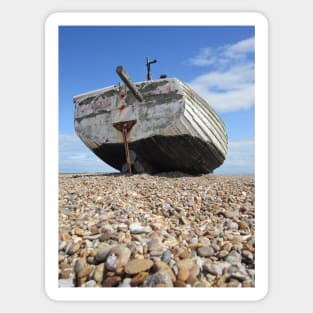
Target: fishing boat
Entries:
(151, 126)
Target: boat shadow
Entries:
(171, 174)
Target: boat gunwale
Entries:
(92, 92)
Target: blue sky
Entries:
(216, 61)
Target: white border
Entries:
(51, 155)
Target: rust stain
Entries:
(125, 128)
(121, 108)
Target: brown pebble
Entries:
(105, 236)
(163, 285)
(183, 274)
(84, 272)
(65, 265)
(139, 278)
(195, 245)
(98, 275)
(249, 247)
(74, 248)
(201, 284)
(112, 281)
(138, 265)
(193, 274)
(227, 246)
(243, 225)
(93, 252)
(66, 273)
(66, 237)
(179, 283)
(223, 253)
(93, 229)
(185, 263)
(246, 284)
(79, 231)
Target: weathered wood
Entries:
(175, 128)
(127, 80)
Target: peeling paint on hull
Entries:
(175, 129)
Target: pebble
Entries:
(169, 230)
(183, 274)
(139, 278)
(213, 268)
(117, 258)
(166, 256)
(90, 283)
(98, 275)
(193, 274)
(186, 264)
(179, 283)
(161, 266)
(112, 281)
(161, 278)
(102, 254)
(137, 228)
(138, 265)
(243, 225)
(84, 272)
(233, 257)
(206, 251)
(155, 247)
(223, 253)
(64, 283)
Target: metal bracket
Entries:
(125, 127)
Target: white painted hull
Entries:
(171, 114)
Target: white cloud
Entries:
(240, 49)
(223, 56)
(206, 56)
(241, 144)
(229, 85)
(239, 159)
(74, 157)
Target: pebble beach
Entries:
(165, 230)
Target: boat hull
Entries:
(162, 154)
(173, 129)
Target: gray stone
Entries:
(155, 247)
(66, 212)
(102, 254)
(166, 206)
(166, 256)
(64, 283)
(137, 228)
(90, 283)
(206, 251)
(161, 278)
(233, 257)
(213, 268)
(117, 258)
